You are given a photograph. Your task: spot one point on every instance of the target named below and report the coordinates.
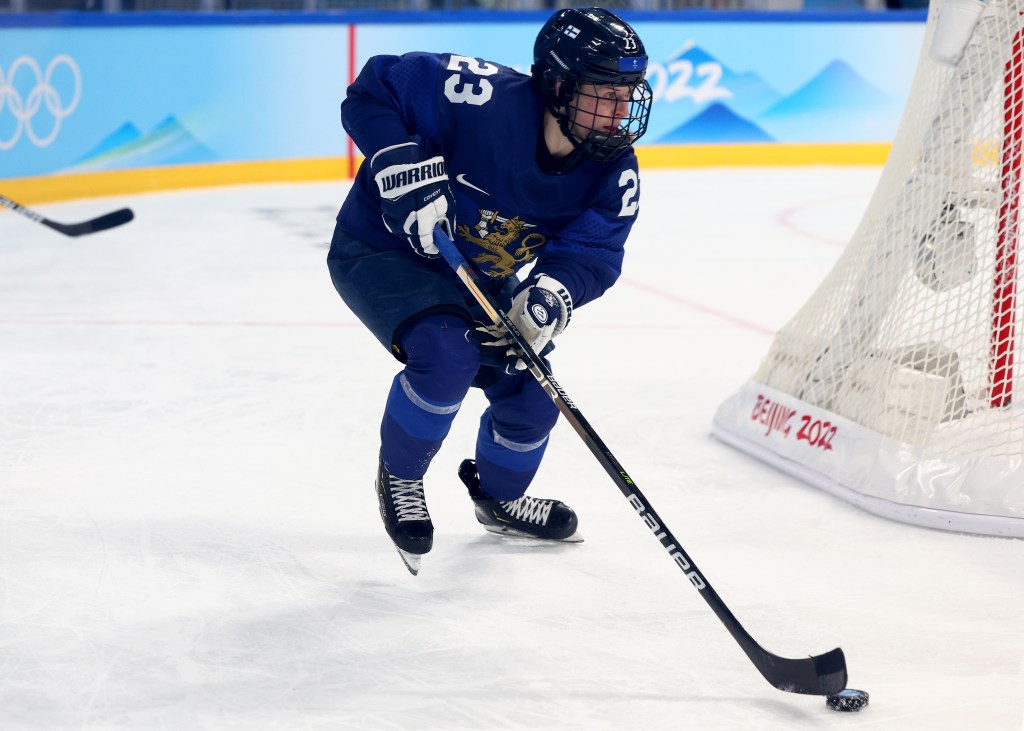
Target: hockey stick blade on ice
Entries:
(818, 675)
(102, 223)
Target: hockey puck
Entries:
(847, 700)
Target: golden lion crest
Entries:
(497, 260)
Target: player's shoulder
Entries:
(420, 60)
(477, 65)
(627, 160)
(480, 89)
(613, 172)
(616, 183)
(480, 72)
(451, 61)
(456, 63)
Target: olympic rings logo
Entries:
(24, 109)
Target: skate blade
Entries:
(411, 560)
(513, 533)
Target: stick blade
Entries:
(818, 675)
(110, 220)
(101, 223)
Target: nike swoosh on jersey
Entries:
(461, 177)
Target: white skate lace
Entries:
(407, 496)
(529, 510)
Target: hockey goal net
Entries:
(897, 386)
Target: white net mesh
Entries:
(915, 335)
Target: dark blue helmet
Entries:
(592, 47)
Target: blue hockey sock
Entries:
(427, 394)
(506, 467)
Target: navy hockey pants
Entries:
(428, 332)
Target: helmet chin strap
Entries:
(571, 160)
(557, 106)
(575, 158)
(565, 90)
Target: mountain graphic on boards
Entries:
(169, 143)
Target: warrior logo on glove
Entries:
(403, 181)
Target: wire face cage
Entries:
(606, 119)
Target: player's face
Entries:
(599, 109)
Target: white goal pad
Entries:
(898, 385)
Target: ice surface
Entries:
(189, 536)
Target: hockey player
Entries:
(535, 169)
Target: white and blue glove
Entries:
(415, 195)
(540, 311)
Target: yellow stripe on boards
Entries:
(761, 155)
(143, 180)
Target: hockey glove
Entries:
(415, 195)
(540, 311)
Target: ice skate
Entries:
(526, 517)
(403, 509)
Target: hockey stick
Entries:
(819, 675)
(102, 223)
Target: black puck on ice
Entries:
(847, 700)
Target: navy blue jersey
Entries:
(485, 120)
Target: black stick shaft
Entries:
(821, 675)
(100, 223)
